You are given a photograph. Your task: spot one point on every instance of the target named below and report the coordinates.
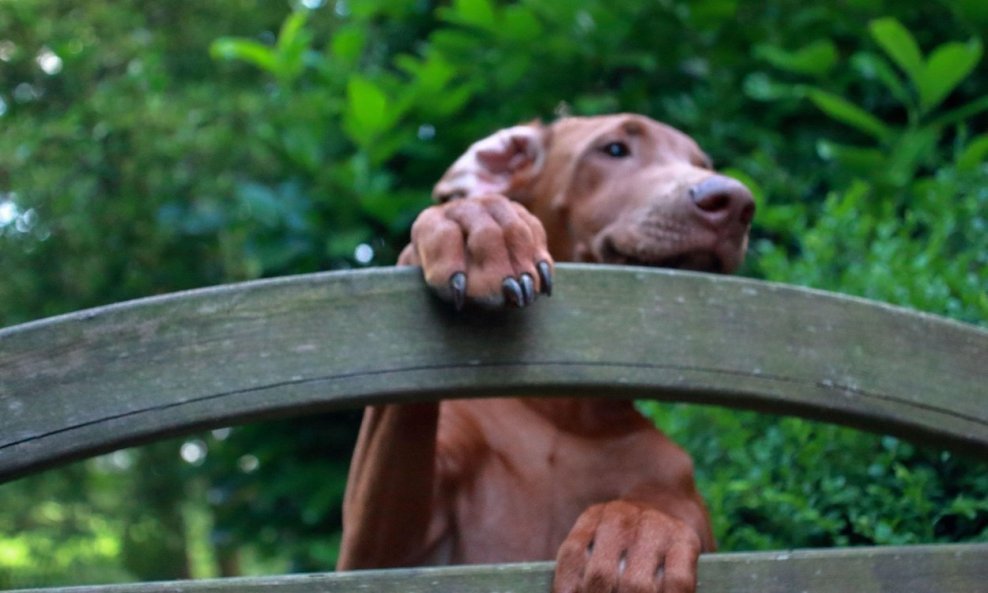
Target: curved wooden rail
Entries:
(91, 381)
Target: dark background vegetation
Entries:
(148, 147)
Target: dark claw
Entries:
(545, 276)
(512, 292)
(528, 288)
(458, 286)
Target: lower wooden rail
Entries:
(955, 568)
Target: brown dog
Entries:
(588, 482)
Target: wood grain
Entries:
(960, 568)
(92, 381)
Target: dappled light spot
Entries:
(364, 253)
(248, 464)
(222, 434)
(194, 452)
(114, 463)
(8, 212)
(427, 132)
(7, 50)
(21, 221)
(48, 61)
(25, 93)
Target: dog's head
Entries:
(614, 189)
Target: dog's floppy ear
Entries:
(502, 163)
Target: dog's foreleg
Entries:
(388, 506)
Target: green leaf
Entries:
(478, 13)
(854, 158)
(284, 61)
(367, 110)
(761, 87)
(303, 146)
(963, 112)
(712, 13)
(291, 30)
(947, 67)
(815, 59)
(245, 50)
(388, 146)
(293, 41)
(899, 44)
(872, 66)
(453, 100)
(848, 113)
(430, 75)
(974, 155)
(910, 150)
(348, 44)
(520, 25)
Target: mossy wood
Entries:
(96, 380)
(103, 378)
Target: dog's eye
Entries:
(618, 150)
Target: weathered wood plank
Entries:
(960, 568)
(99, 379)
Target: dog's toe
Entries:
(486, 250)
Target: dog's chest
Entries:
(521, 484)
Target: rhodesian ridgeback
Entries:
(588, 482)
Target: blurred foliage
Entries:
(151, 147)
(911, 200)
(777, 483)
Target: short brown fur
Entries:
(588, 482)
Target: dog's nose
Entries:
(723, 199)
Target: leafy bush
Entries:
(904, 205)
(778, 483)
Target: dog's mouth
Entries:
(700, 261)
(697, 259)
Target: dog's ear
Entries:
(503, 163)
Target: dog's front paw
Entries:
(487, 249)
(626, 547)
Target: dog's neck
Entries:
(588, 416)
